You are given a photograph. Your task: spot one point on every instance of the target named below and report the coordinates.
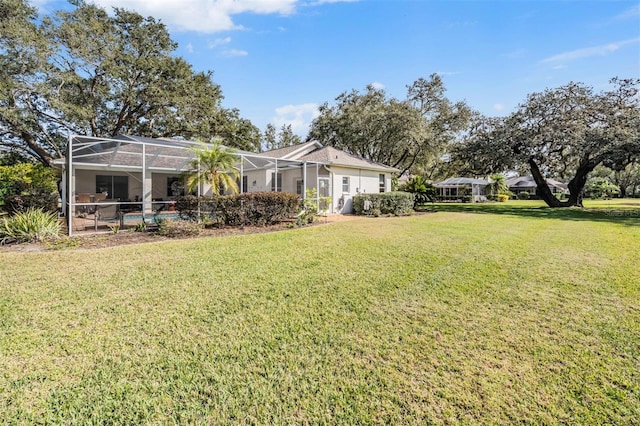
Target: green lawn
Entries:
(496, 314)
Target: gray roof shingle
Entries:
(333, 156)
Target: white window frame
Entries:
(346, 181)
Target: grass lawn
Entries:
(501, 314)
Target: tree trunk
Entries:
(543, 190)
(576, 186)
(36, 150)
(623, 191)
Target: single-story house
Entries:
(142, 175)
(459, 187)
(340, 176)
(527, 184)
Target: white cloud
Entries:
(633, 12)
(218, 42)
(298, 116)
(589, 51)
(498, 107)
(189, 47)
(377, 85)
(446, 73)
(205, 16)
(317, 2)
(234, 52)
(518, 53)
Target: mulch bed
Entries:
(96, 241)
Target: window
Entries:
(299, 187)
(245, 184)
(116, 187)
(278, 187)
(383, 184)
(175, 188)
(345, 184)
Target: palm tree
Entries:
(498, 185)
(214, 165)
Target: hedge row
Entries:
(28, 186)
(20, 203)
(252, 208)
(395, 203)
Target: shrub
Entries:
(502, 198)
(28, 186)
(257, 208)
(140, 227)
(20, 203)
(599, 187)
(524, 195)
(309, 209)
(395, 203)
(252, 208)
(422, 190)
(187, 207)
(179, 228)
(31, 225)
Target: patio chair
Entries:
(100, 197)
(107, 212)
(83, 198)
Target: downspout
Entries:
(241, 174)
(304, 181)
(70, 182)
(199, 189)
(144, 181)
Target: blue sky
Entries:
(277, 60)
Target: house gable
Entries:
(293, 152)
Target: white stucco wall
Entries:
(359, 181)
(260, 180)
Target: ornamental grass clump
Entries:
(30, 226)
(179, 228)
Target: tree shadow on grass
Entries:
(622, 216)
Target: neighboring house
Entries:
(143, 174)
(527, 184)
(460, 187)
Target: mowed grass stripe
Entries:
(432, 318)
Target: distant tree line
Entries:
(564, 133)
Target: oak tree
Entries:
(88, 72)
(564, 132)
(400, 133)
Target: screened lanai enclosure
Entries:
(127, 180)
(460, 188)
